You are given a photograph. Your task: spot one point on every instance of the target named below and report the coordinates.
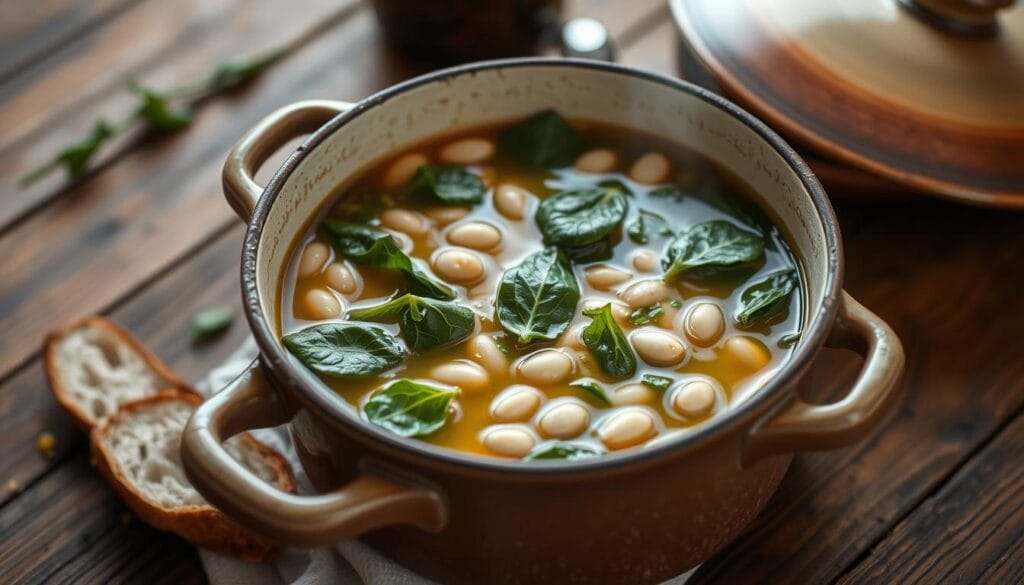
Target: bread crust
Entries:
(204, 526)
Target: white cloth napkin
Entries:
(346, 563)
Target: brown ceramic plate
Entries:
(875, 87)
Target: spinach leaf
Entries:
(543, 140)
(537, 299)
(580, 217)
(646, 314)
(593, 388)
(426, 323)
(675, 303)
(596, 252)
(368, 245)
(211, 322)
(710, 248)
(409, 408)
(647, 224)
(607, 342)
(156, 109)
(764, 300)
(566, 451)
(345, 350)
(656, 382)
(790, 340)
(668, 192)
(446, 185)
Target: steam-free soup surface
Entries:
(542, 290)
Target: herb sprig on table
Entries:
(157, 111)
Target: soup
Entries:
(542, 289)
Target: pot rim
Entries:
(812, 337)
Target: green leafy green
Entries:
(647, 224)
(236, 72)
(608, 343)
(593, 388)
(596, 252)
(211, 322)
(375, 247)
(345, 350)
(766, 299)
(537, 299)
(675, 303)
(543, 140)
(667, 192)
(426, 324)
(581, 217)
(790, 340)
(646, 314)
(409, 408)
(446, 185)
(75, 157)
(657, 382)
(156, 109)
(566, 451)
(710, 248)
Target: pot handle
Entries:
(799, 426)
(369, 501)
(262, 140)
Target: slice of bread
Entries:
(138, 451)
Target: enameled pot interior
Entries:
(485, 93)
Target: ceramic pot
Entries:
(641, 515)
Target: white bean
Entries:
(516, 404)
(321, 304)
(627, 429)
(572, 338)
(485, 351)
(631, 394)
(694, 399)
(405, 221)
(459, 266)
(704, 324)
(511, 201)
(644, 260)
(313, 258)
(400, 171)
(598, 160)
(749, 353)
(658, 347)
(446, 215)
(340, 278)
(564, 421)
(467, 151)
(547, 366)
(476, 235)
(508, 441)
(605, 277)
(620, 312)
(650, 169)
(468, 376)
(645, 293)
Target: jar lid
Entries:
(929, 96)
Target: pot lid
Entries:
(929, 93)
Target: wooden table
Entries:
(936, 495)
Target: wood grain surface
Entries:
(148, 240)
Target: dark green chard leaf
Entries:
(374, 247)
(608, 343)
(409, 408)
(158, 111)
(790, 340)
(596, 252)
(710, 248)
(768, 298)
(543, 140)
(646, 314)
(345, 350)
(656, 382)
(446, 185)
(566, 451)
(537, 299)
(211, 322)
(593, 388)
(426, 323)
(581, 217)
(647, 224)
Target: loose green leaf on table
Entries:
(608, 343)
(646, 225)
(409, 408)
(446, 185)
(593, 388)
(233, 73)
(567, 451)
(767, 298)
(426, 324)
(76, 157)
(710, 248)
(657, 382)
(537, 299)
(345, 350)
(375, 247)
(645, 315)
(156, 109)
(582, 216)
(543, 140)
(211, 322)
